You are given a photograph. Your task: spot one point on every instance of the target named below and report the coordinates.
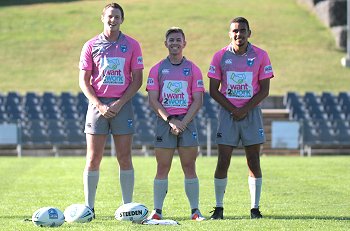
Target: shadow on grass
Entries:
(29, 2)
(334, 218)
(308, 218)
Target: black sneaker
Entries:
(218, 213)
(93, 210)
(255, 214)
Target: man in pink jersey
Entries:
(175, 89)
(239, 80)
(110, 75)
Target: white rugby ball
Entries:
(48, 217)
(131, 212)
(78, 213)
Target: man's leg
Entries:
(123, 145)
(95, 147)
(254, 178)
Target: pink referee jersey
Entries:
(111, 63)
(175, 84)
(240, 74)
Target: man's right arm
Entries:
(85, 86)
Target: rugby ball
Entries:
(131, 212)
(48, 217)
(78, 213)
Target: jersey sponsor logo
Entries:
(186, 71)
(200, 83)
(150, 81)
(239, 85)
(228, 61)
(123, 48)
(250, 62)
(139, 60)
(175, 94)
(113, 70)
(165, 71)
(268, 69)
(212, 69)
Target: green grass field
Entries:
(40, 43)
(298, 193)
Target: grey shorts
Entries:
(249, 130)
(121, 124)
(164, 138)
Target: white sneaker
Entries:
(197, 216)
(154, 215)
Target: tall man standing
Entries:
(242, 71)
(110, 75)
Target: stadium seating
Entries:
(325, 118)
(58, 119)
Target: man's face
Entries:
(175, 43)
(239, 34)
(112, 19)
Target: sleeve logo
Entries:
(139, 60)
(212, 69)
(150, 81)
(200, 83)
(268, 69)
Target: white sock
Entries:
(160, 189)
(255, 191)
(220, 187)
(192, 192)
(126, 179)
(90, 179)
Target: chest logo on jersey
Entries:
(239, 85)
(165, 71)
(123, 48)
(228, 61)
(174, 94)
(113, 70)
(250, 62)
(186, 71)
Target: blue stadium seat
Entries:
(53, 125)
(66, 98)
(57, 136)
(293, 103)
(310, 98)
(14, 97)
(36, 136)
(75, 136)
(31, 99)
(14, 112)
(344, 99)
(309, 134)
(33, 113)
(49, 100)
(52, 113)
